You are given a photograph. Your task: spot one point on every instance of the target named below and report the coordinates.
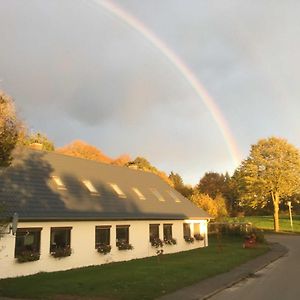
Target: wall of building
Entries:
(83, 245)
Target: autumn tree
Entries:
(221, 205)
(177, 180)
(84, 150)
(122, 160)
(212, 184)
(39, 138)
(216, 184)
(215, 207)
(205, 202)
(9, 129)
(270, 173)
(9, 132)
(179, 185)
(143, 164)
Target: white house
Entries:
(75, 212)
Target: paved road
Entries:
(278, 281)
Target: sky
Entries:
(78, 69)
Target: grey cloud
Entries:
(77, 71)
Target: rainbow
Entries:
(183, 69)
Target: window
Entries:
(60, 238)
(60, 185)
(139, 194)
(174, 196)
(102, 236)
(122, 234)
(197, 235)
(196, 229)
(186, 230)
(28, 240)
(153, 232)
(118, 190)
(167, 232)
(90, 187)
(157, 195)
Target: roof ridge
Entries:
(90, 161)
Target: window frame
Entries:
(126, 240)
(187, 230)
(196, 229)
(168, 235)
(98, 230)
(156, 236)
(25, 232)
(53, 245)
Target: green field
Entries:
(137, 279)
(266, 222)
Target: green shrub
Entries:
(238, 229)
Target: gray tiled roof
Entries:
(26, 187)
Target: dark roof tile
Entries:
(26, 187)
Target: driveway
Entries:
(279, 280)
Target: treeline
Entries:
(266, 181)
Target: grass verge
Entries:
(137, 279)
(267, 223)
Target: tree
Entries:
(179, 185)
(205, 202)
(231, 196)
(215, 207)
(39, 138)
(9, 132)
(219, 185)
(220, 203)
(270, 173)
(9, 129)
(122, 160)
(82, 149)
(177, 180)
(212, 184)
(142, 163)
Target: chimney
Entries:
(36, 146)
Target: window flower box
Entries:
(170, 241)
(122, 245)
(189, 239)
(60, 252)
(156, 242)
(104, 249)
(198, 237)
(27, 256)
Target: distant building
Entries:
(72, 211)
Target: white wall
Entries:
(83, 245)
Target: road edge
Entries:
(206, 288)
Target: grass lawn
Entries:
(137, 279)
(266, 222)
